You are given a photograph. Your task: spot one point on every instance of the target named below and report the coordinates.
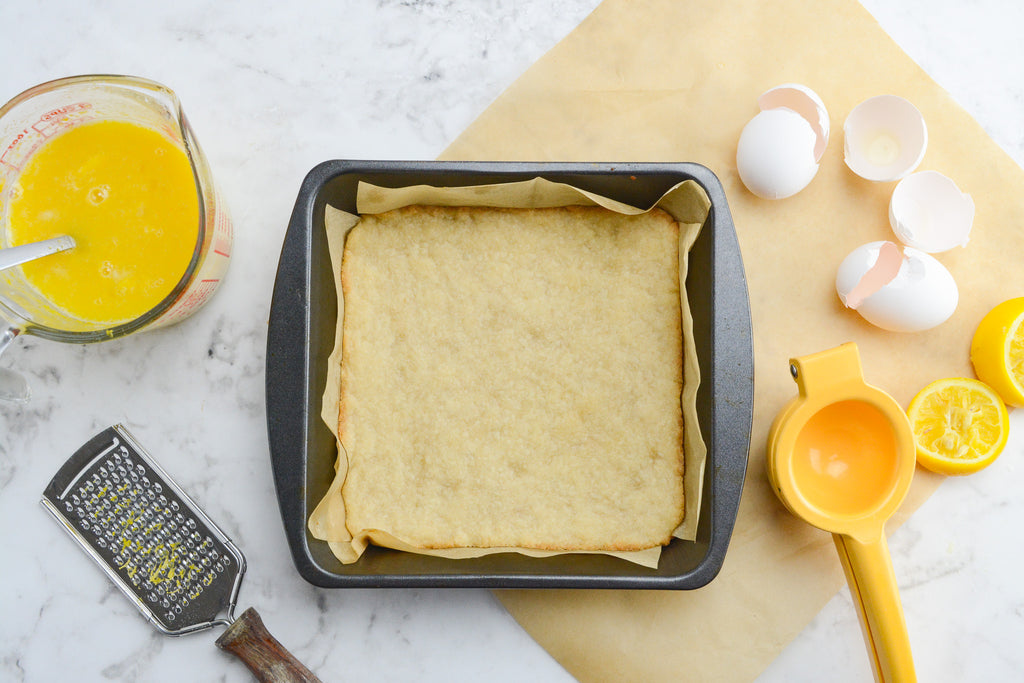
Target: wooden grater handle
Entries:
(248, 639)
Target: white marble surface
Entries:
(271, 90)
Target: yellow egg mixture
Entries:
(127, 195)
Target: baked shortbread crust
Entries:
(512, 378)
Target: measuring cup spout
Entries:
(869, 572)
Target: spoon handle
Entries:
(14, 256)
(869, 572)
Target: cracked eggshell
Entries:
(806, 103)
(901, 289)
(928, 211)
(779, 149)
(885, 138)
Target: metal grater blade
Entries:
(168, 557)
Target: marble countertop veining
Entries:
(272, 89)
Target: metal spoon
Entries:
(14, 256)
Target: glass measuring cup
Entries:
(38, 115)
(841, 456)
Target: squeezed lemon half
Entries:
(960, 425)
(997, 351)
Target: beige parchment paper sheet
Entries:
(663, 80)
(687, 203)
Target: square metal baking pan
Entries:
(301, 334)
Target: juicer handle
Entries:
(13, 385)
(869, 572)
(248, 639)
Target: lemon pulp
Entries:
(127, 195)
(997, 350)
(960, 425)
(1015, 354)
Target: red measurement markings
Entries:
(8, 157)
(48, 124)
(223, 235)
(53, 121)
(201, 291)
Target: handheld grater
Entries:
(177, 567)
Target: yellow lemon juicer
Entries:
(841, 457)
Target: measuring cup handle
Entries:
(248, 639)
(869, 572)
(13, 385)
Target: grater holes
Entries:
(164, 551)
(157, 546)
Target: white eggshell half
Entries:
(806, 103)
(885, 138)
(922, 295)
(775, 154)
(929, 212)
